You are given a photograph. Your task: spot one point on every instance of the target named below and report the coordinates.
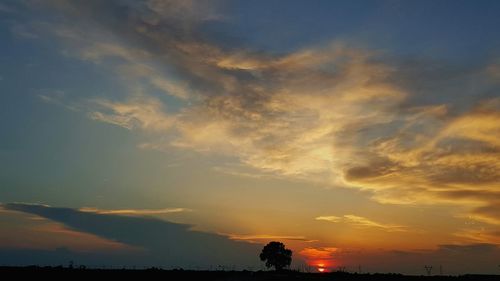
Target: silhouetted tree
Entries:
(276, 255)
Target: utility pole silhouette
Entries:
(440, 269)
(428, 269)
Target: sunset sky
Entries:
(362, 134)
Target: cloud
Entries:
(334, 219)
(135, 212)
(488, 213)
(408, 131)
(172, 87)
(259, 238)
(240, 172)
(27, 231)
(319, 253)
(163, 242)
(5, 206)
(59, 98)
(142, 113)
(480, 235)
(289, 125)
(455, 162)
(362, 222)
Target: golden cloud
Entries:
(135, 212)
(337, 114)
(259, 238)
(141, 113)
(455, 161)
(359, 221)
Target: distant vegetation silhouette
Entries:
(154, 273)
(276, 255)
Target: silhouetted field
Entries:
(160, 274)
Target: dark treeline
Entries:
(179, 274)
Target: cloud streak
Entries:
(363, 222)
(145, 113)
(260, 238)
(136, 212)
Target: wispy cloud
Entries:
(6, 206)
(479, 235)
(59, 98)
(359, 221)
(239, 171)
(329, 218)
(141, 113)
(455, 162)
(138, 212)
(265, 237)
(339, 114)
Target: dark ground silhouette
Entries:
(180, 274)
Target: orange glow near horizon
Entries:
(322, 265)
(319, 258)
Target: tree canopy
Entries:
(276, 255)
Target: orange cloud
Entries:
(319, 253)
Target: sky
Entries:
(362, 134)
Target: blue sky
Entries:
(364, 118)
